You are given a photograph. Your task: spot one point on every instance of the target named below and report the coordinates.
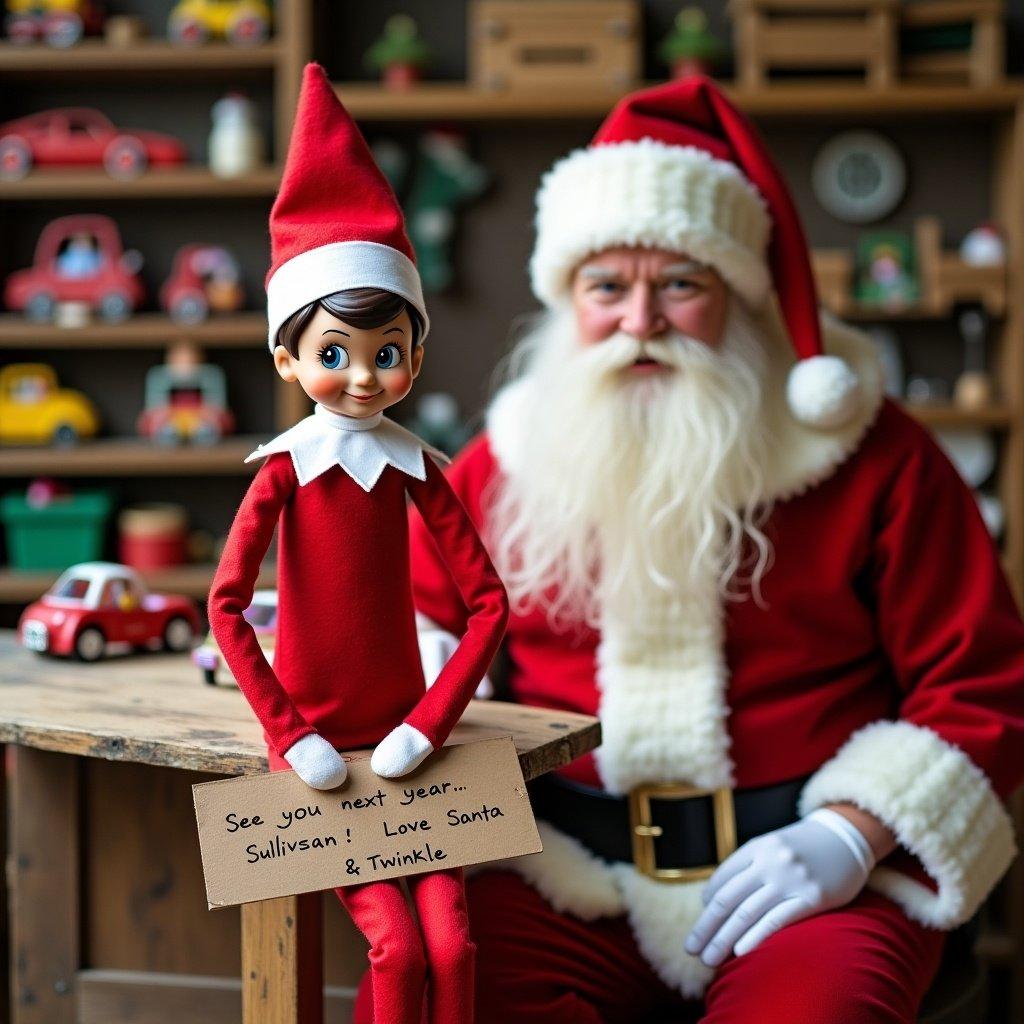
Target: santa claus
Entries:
(766, 580)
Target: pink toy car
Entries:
(80, 137)
(59, 22)
(204, 279)
(96, 608)
(78, 259)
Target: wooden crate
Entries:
(554, 44)
(946, 280)
(982, 63)
(815, 35)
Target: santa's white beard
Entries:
(634, 486)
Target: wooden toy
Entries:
(78, 259)
(833, 275)
(399, 55)
(186, 400)
(242, 22)
(58, 22)
(124, 30)
(947, 280)
(262, 616)
(808, 35)
(204, 279)
(560, 44)
(35, 410)
(96, 608)
(81, 137)
(959, 40)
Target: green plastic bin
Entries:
(58, 535)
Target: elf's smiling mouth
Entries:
(365, 398)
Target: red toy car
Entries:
(98, 607)
(78, 259)
(204, 279)
(80, 137)
(59, 22)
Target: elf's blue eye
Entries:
(388, 357)
(334, 357)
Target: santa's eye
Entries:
(388, 357)
(333, 357)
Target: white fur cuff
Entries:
(939, 804)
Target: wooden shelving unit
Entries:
(191, 580)
(188, 182)
(144, 330)
(124, 456)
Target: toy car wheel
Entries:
(125, 157)
(90, 644)
(64, 29)
(178, 635)
(15, 158)
(186, 30)
(206, 434)
(21, 28)
(115, 307)
(190, 308)
(65, 435)
(41, 307)
(248, 30)
(167, 435)
(210, 676)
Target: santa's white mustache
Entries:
(619, 351)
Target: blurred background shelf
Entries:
(459, 101)
(196, 182)
(951, 416)
(190, 580)
(144, 56)
(132, 457)
(143, 330)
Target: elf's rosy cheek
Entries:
(321, 386)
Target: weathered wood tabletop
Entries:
(156, 709)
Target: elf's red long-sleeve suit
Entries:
(347, 666)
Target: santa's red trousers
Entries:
(410, 963)
(866, 962)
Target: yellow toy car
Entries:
(34, 410)
(243, 22)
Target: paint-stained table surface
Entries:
(156, 709)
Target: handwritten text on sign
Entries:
(264, 836)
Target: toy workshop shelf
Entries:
(455, 101)
(143, 330)
(131, 456)
(188, 182)
(145, 57)
(191, 580)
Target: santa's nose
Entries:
(641, 317)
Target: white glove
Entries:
(316, 762)
(436, 648)
(403, 749)
(820, 863)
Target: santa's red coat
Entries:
(886, 607)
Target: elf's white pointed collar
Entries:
(361, 447)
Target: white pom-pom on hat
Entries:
(823, 392)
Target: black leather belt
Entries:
(670, 832)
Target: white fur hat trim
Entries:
(823, 392)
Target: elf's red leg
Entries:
(440, 898)
(397, 966)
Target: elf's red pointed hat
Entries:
(336, 223)
(678, 167)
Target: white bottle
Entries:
(236, 144)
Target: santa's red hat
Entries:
(678, 167)
(336, 223)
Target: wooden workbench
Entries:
(108, 920)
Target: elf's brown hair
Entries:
(363, 308)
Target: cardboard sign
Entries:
(263, 836)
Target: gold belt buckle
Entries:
(643, 831)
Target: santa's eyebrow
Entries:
(334, 330)
(595, 272)
(682, 269)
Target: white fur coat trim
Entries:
(574, 881)
(939, 804)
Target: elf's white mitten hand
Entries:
(316, 762)
(400, 751)
(436, 648)
(820, 863)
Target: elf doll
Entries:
(347, 322)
